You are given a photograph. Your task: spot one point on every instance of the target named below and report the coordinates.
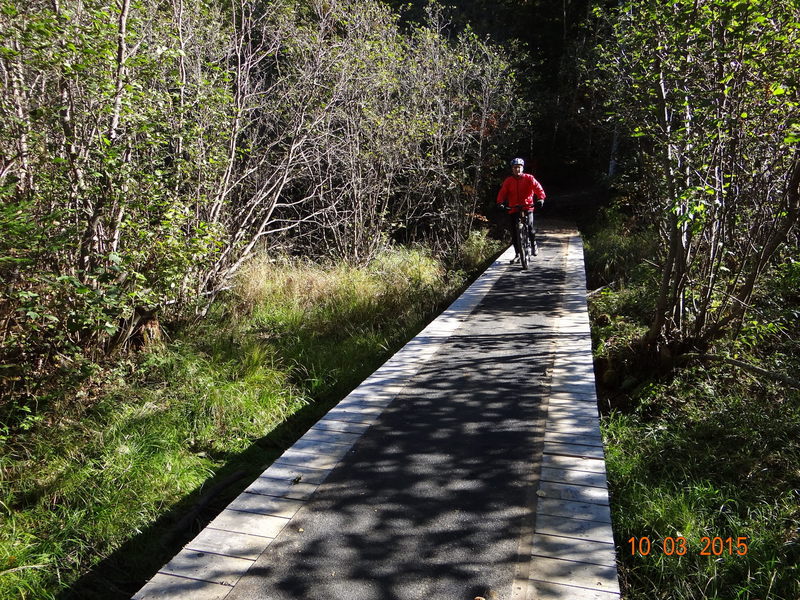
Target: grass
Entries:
(700, 452)
(93, 493)
(708, 463)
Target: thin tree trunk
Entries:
(119, 74)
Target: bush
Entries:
(477, 247)
(616, 248)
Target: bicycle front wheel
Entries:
(525, 248)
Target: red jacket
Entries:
(519, 191)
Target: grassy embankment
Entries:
(705, 451)
(143, 439)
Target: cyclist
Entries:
(520, 190)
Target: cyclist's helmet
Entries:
(517, 161)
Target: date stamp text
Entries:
(679, 546)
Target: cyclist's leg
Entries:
(512, 224)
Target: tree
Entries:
(709, 93)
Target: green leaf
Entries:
(793, 137)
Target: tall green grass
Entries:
(144, 436)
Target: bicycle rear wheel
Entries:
(525, 248)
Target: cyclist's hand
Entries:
(539, 204)
(502, 206)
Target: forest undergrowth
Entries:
(703, 458)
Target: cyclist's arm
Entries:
(503, 193)
(538, 190)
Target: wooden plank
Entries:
(266, 505)
(331, 437)
(205, 566)
(283, 471)
(581, 388)
(588, 551)
(567, 572)
(566, 509)
(560, 395)
(337, 450)
(581, 413)
(251, 523)
(575, 463)
(563, 420)
(352, 416)
(282, 488)
(576, 450)
(574, 477)
(573, 493)
(330, 425)
(543, 590)
(229, 543)
(574, 369)
(577, 437)
(170, 587)
(574, 528)
(311, 460)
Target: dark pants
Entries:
(510, 223)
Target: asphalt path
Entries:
(437, 499)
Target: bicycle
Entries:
(526, 235)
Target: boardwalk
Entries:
(469, 466)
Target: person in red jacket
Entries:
(520, 190)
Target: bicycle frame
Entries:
(526, 236)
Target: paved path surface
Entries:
(470, 465)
